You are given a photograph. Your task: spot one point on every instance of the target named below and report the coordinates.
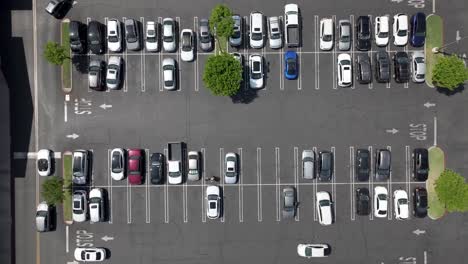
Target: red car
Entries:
(135, 166)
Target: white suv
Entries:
(256, 30)
(213, 201)
(114, 35)
(256, 71)
(345, 70)
(96, 205)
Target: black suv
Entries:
(420, 164)
(420, 202)
(382, 66)
(363, 69)
(383, 162)
(362, 165)
(157, 168)
(362, 201)
(325, 166)
(77, 37)
(402, 64)
(96, 37)
(363, 33)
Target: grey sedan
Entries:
(132, 35)
(289, 202)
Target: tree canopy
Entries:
(449, 72)
(222, 74)
(452, 191)
(55, 53)
(52, 191)
(221, 22)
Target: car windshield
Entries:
(288, 202)
(257, 36)
(308, 252)
(42, 164)
(403, 201)
(151, 39)
(275, 34)
(324, 203)
(212, 205)
(327, 37)
(291, 66)
(212, 197)
(236, 33)
(76, 167)
(186, 42)
(345, 38)
(95, 42)
(402, 33)
(345, 62)
(382, 197)
(116, 163)
(113, 39)
(382, 212)
(205, 38)
(383, 35)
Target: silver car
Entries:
(344, 38)
(418, 67)
(79, 206)
(274, 33)
(308, 164)
(289, 202)
(236, 39)
(230, 166)
(132, 34)
(169, 74)
(113, 75)
(80, 167)
(169, 35)
(95, 75)
(204, 35)
(193, 166)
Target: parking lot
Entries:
(268, 129)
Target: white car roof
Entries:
(344, 56)
(96, 192)
(402, 21)
(212, 189)
(384, 23)
(114, 60)
(43, 154)
(42, 206)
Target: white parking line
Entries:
(109, 182)
(65, 111)
(408, 168)
(314, 184)
(371, 179)
(147, 193)
(351, 18)
(166, 194)
(351, 180)
(390, 193)
(221, 174)
(125, 88)
(184, 201)
(334, 68)
(246, 54)
(299, 83)
(334, 182)
(179, 26)
(195, 65)
(259, 186)
(129, 207)
(264, 60)
(159, 81)
(241, 187)
(143, 60)
(387, 49)
(296, 177)
(67, 238)
(277, 182)
(281, 57)
(316, 66)
(88, 19)
(406, 84)
(435, 131)
(369, 53)
(203, 185)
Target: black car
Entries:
(363, 33)
(362, 164)
(96, 37)
(58, 8)
(157, 168)
(382, 66)
(420, 164)
(325, 166)
(420, 202)
(363, 69)
(77, 36)
(383, 161)
(418, 29)
(402, 67)
(362, 201)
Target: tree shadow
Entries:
(244, 96)
(81, 63)
(449, 92)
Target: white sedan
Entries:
(187, 45)
(117, 168)
(401, 204)
(44, 162)
(213, 201)
(381, 30)
(324, 208)
(169, 74)
(400, 29)
(380, 201)
(152, 37)
(256, 71)
(114, 37)
(326, 34)
(345, 70)
(114, 72)
(418, 67)
(313, 250)
(90, 254)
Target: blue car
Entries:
(418, 29)
(290, 65)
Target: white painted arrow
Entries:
(429, 104)
(105, 106)
(419, 232)
(74, 136)
(393, 131)
(107, 238)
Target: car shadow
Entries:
(81, 63)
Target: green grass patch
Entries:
(222, 43)
(67, 183)
(434, 38)
(437, 166)
(66, 67)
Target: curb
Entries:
(64, 89)
(66, 153)
(427, 182)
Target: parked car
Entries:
(420, 164)
(420, 202)
(308, 164)
(362, 201)
(132, 34)
(257, 28)
(236, 38)
(231, 168)
(382, 164)
(274, 33)
(418, 29)
(289, 202)
(239, 57)
(77, 34)
(114, 72)
(204, 35)
(157, 168)
(44, 162)
(382, 66)
(325, 165)
(95, 37)
(43, 217)
(187, 46)
(363, 33)
(169, 74)
(114, 35)
(58, 8)
(80, 167)
(135, 166)
(213, 201)
(169, 35)
(402, 67)
(313, 250)
(344, 39)
(96, 205)
(291, 65)
(380, 201)
(152, 36)
(256, 71)
(79, 206)
(324, 208)
(401, 204)
(363, 69)
(382, 30)
(326, 34)
(362, 165)
(400, 29)
(117, 164)
(96, 76)
(345, 70)
(193, 166)
(90, 254)
(418, 67)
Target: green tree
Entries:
(449, 72)
(452, 191)
(221, 24)
(222, 75)
(52, 190)
(55, 53)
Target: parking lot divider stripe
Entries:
(246, 53)
(390, 192)
(148, 195)
(351, 19)
(159, 81)
(109, 182)
(125, 88)
(334, 181)
(221, 176)
(241, 188)
(334, 67)
(184, 202)
(351, 180)
(371, 178)
(259, 185)
(277, 187)
(314, 184)
(128, 204)
(408, 169)
(166, 194)
(299, 83)
(406, 84)
(178, 30)
(203, 215)
(317, 70)
(195, 65)
(387, 49)
(281, 57)
(296, 178)
(143, 60)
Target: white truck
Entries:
(175, 162)
(292, 28)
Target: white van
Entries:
(256, 30)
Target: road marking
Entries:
(184, 201)
(66, 239)
(351, 18)
(246, 54)
(435, 131)
(407, 168)
(433, 11)
(351, 180)
(406, 84)
(259, 186)
(159, 82)
(143, 60)
(92, 167)
(334, 182)
(195, 65)
(369, 53)
(317, 69)
(221, 176)
(109, 181)
(334, 67)
(296, 178)
(371, 184)
(148, 195)
(36, 124)
(299, 83)
(277, 182)
(125, 88)
(203, 151)
(128, 204)
(241, 188)
(390, 193)
(166, 194)
(178, 55)
(425, 253)
(314, 184)
(88, 19)
(281, 57)
(65, 111)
